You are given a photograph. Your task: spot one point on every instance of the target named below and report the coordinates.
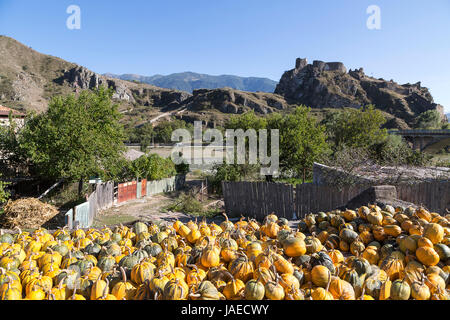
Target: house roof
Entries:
(132, 154)
(4, 111)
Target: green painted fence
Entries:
(81, 216)
(165, 185)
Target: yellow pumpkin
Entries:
(434, 232)
(294, 247)
(320, 276)
(428, 256)
(321, 294)
(392, 230)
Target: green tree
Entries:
(146, 135)
(163, 131)
(246, 121)
(143, 135)
(76, 138)
(232, 172)
(4, 194)
(14, 159)
(429, 120)
(356, 128)
(152, 167)
(302, 140)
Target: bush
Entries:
(182, 168)
(429, 120)
(395, 151)
(232, 172)
(153, 167)
(187, 203)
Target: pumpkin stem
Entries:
(225, 215)
(329, 280)
(363, 292)
(105, 291)
(124, 275)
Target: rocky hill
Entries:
(329, 85)
(28, 79)
(190, 81)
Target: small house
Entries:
(17, 116)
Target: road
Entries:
(167, 114)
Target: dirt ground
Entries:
(151, 209)
(147, 209)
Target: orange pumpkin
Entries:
(341, 289)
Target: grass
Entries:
(112, 219)
(441, 160)
(66, 196)
(293, 181)
(187, 203)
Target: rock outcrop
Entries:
(329, 85)
(80, 78)
(228, 100)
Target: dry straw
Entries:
(27, 213)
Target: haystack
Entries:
(29, 213)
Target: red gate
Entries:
(127, 191)
(144, 188)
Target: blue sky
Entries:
(243, 37)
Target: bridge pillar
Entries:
(416, 144)
(422, 143)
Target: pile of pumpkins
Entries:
(365, 254)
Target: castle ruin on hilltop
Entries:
(322, 66)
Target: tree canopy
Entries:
(76, 138)
(163, 131)
(302, 140)
(355, 127)
(430, 120)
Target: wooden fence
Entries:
(258, 199)
(101, 199)
(84, 214)
(435, 196)
(315, 198)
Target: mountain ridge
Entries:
(189, 81)
(29, 79)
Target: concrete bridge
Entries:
(426, 140)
